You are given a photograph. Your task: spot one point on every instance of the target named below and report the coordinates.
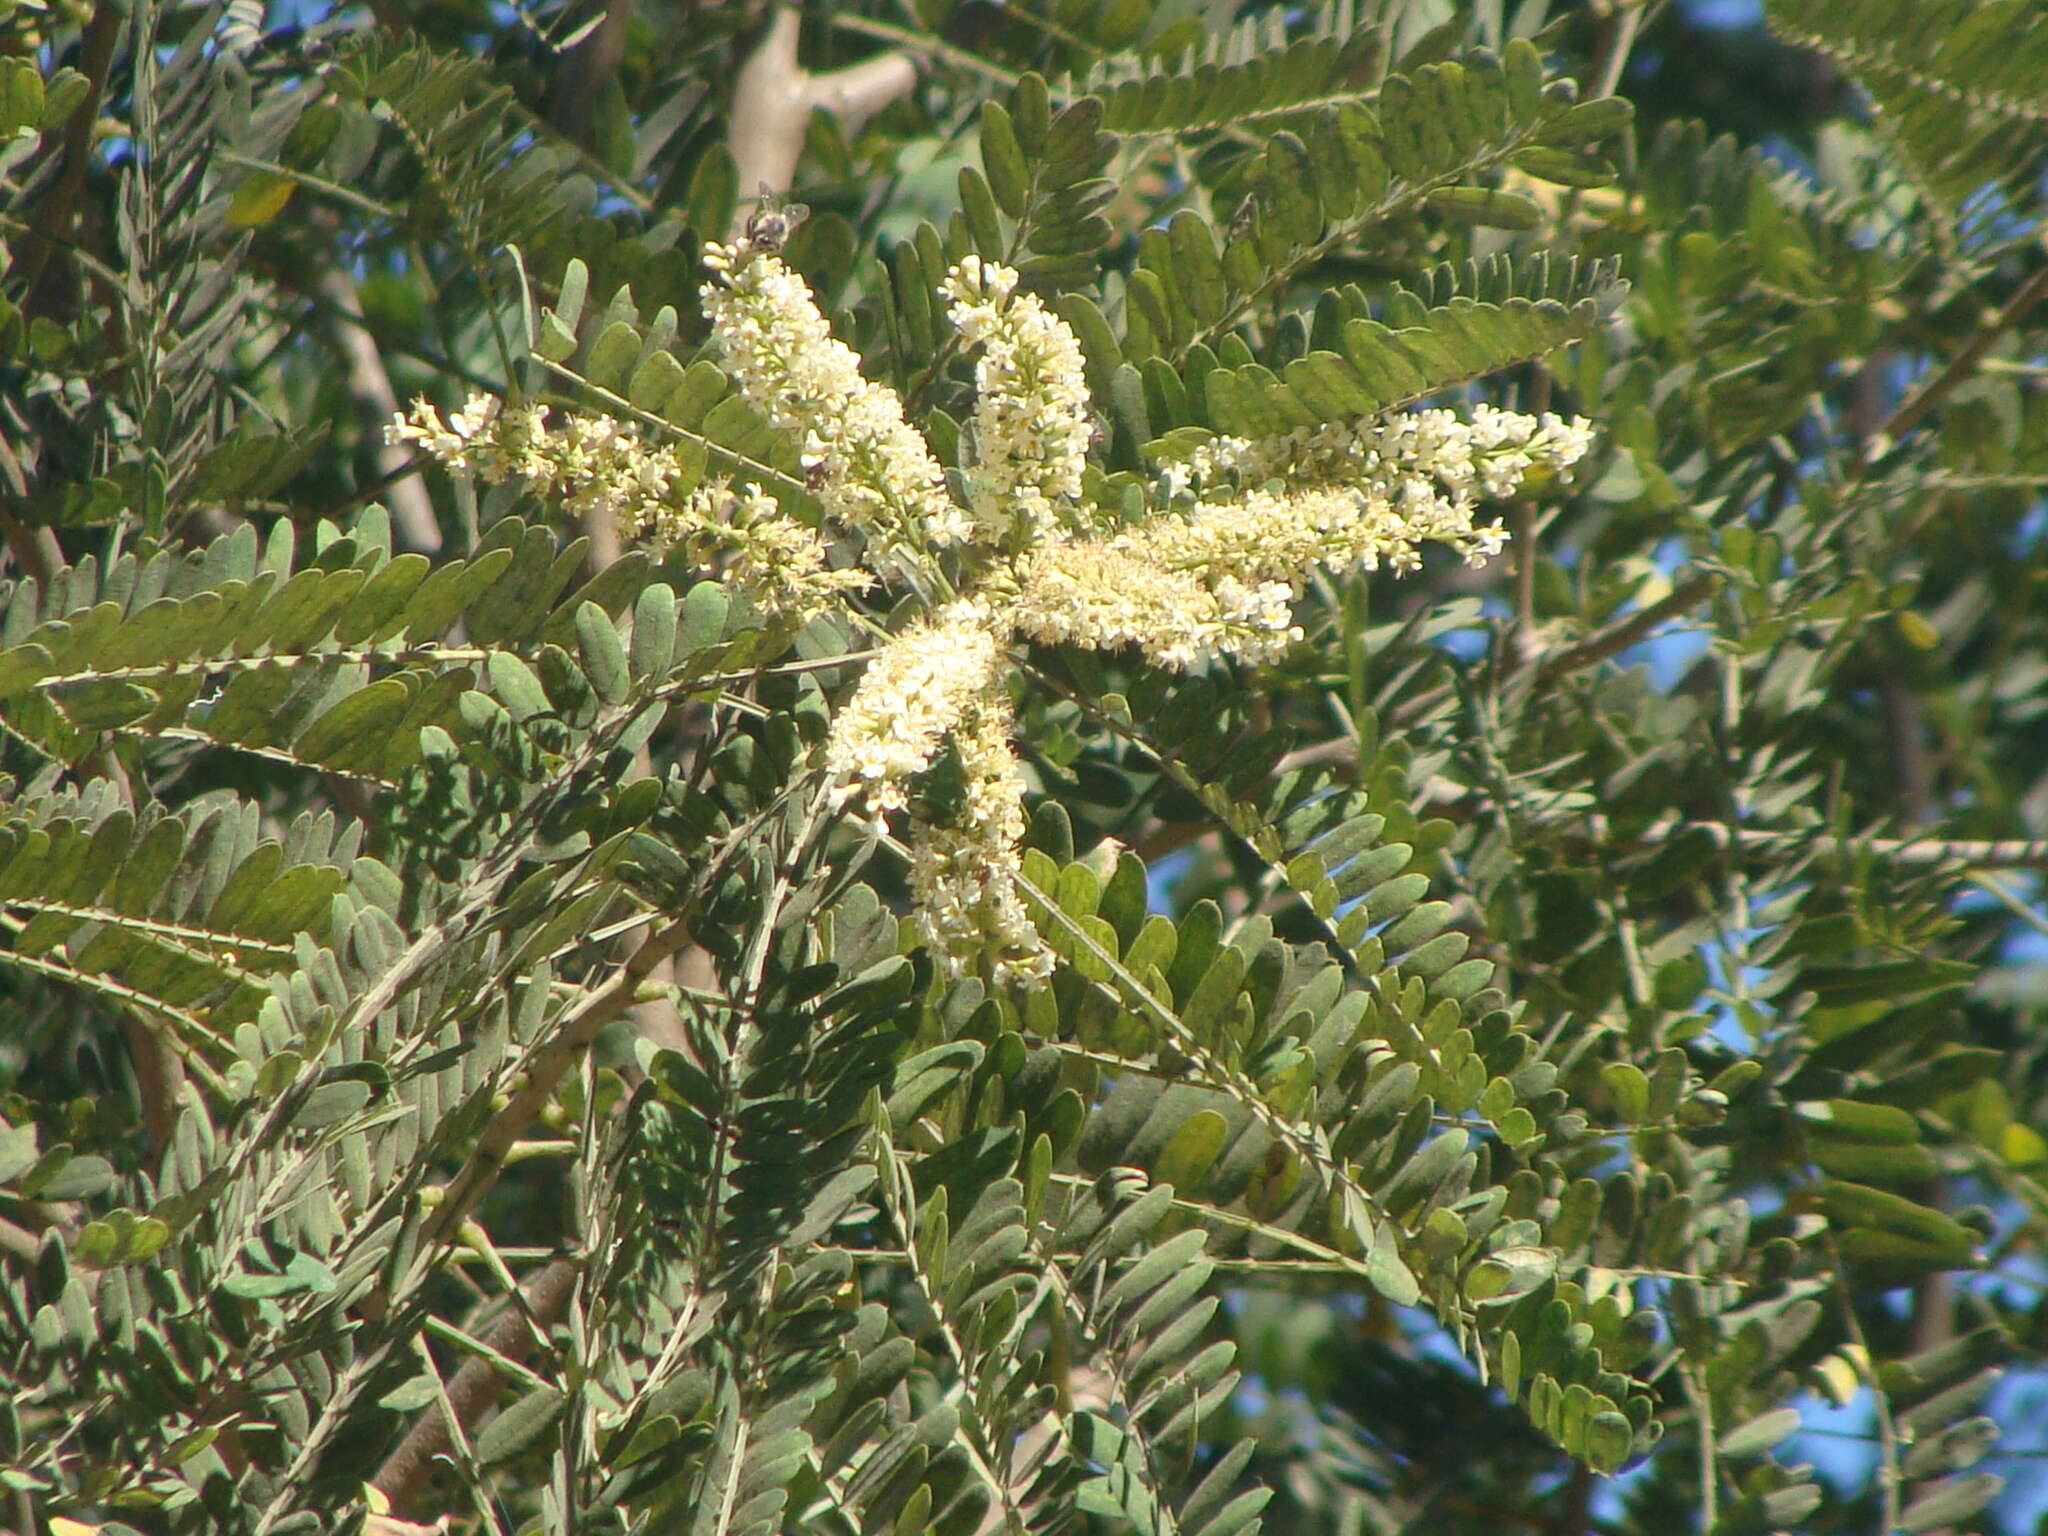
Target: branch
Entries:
(1625, 632)
(515, 1336)
(1915, 406)
(774, 96)
(35, 549)
(542, 1072)
(52, 221)
(369, 386)
(591, 62)
(1595, 648)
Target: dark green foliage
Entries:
(1484, 1055)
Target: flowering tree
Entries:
(1047, 847)
(1213, 570)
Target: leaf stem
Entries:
(1709, 1456)
(1914, 408)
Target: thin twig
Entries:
(1912, 852)
(1621, 40)
(1890, 1476)
(542, 1072)
(924, 43)
(516, 1335)
(1709, 1466)
(1911, 410)
(1611, 641)
(52, 224)
(1625, 632)
(1522, 534)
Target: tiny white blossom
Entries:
(1106, 595)
(939, 685)
(601, 468)
(1031, 421)
(911, 695)
(1487, 456)
(873, 470)
(483, 438)
(965, 870)
(1218, 578)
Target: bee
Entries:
(773, 220)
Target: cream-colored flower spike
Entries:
(965, 862)
(1219, 576)
(911, 696)
(596, 466)
(1031, 420)
(931, 718)
(873, 470)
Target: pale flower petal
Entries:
(872, 470)
(1031, 419)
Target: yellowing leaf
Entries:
(1917, 631)
(1989, 1112)
(2022, 1146)
(259, 200)
(1839, 1379)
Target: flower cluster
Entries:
(599, 467)
(911, 695)
(1412, 457)
(1031, 421)
(1219, 576)
(776, 560)
(873, 471)
(1108, 595)
(1214, 570)
(928, 731)
(486, 438)
(1283, 535)
(965, 865)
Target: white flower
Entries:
(602, 468)
(482, 438)
(1031, 421)
(911, 695)
(873, 470)
(1489, 455)
(778, 561)
(965, 868)
(1235, 529)
(932, 704)
(1218, 578)
(1108, 594)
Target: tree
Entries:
(750, 784)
